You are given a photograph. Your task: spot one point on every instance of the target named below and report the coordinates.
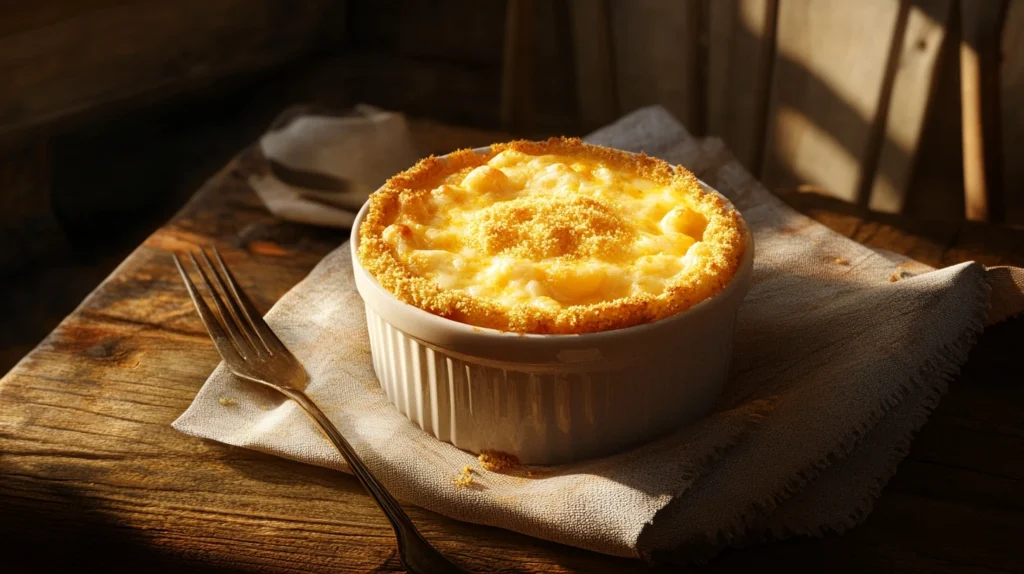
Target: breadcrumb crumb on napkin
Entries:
(465, 477)
(498, 461)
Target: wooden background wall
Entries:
(897, 105)
(71, 67)
(890, 104)
(868, 100)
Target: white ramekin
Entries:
(550, 398)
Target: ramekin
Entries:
(551, 399)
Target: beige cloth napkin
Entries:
(835, 368)
(324, 167)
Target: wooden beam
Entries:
(827, 81)
(908, 105)
(1011, 75)
(64, 61)
(517, 88)
(876, 137)
(655, 46)
(595, 70)
(741, 49)
(981, 24)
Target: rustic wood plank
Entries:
(90, 60)
(936, 189)
(39, 297)
(1011, 96)
(103, 417)
(451, 31)
(517, 89)
(655, 53)
(436, 138)
(556, 104)
(595, 71)
(455, 94)
(915, 66)
(935, 242)
(740, 57)
(828, 76)
(981, 24)
(877, 132)
(89, 463)
(445, 59)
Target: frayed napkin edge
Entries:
(943, 364)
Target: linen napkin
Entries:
(841, 352)
(324, 167)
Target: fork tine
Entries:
(270, 340)
(235, 336)
(251, 337)
(220, 339)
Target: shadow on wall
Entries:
(814, 117)
(834, 128)
(447, 81)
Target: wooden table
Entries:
(93, 476)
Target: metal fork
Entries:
(252, 351)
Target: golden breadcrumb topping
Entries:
(550, 237)
(495, 461)
(465, 477)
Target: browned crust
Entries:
(723, 240)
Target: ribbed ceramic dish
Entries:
(550, 399)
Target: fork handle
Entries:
(415, 553)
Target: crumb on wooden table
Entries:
(227, 402)
(465, 477)
(498, 461)
(267, 248)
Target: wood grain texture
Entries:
(65, 59)
(912, 89)
(827, 83)
(740, 56)
(935, 242)
(1011, 97)
(90, 465)
(655, 52)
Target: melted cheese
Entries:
(549, 231)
